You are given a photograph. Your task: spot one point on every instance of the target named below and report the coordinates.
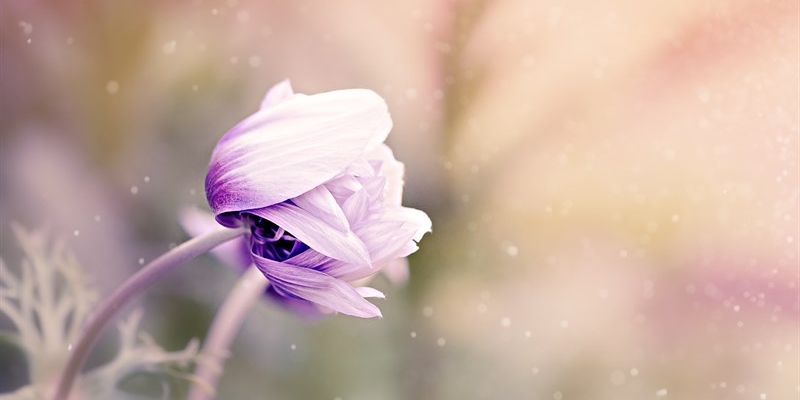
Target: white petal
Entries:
(366, 292)
(293, 146)
(278, 93)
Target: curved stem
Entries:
(134, 285)
(223, 330)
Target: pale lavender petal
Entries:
(397, 271)
(316, 233)
(392, 170)
(385, 239)
(357, 206)
(316, 287)
(368, 292)
(291, 147)
(335, 268)
(278, 93)
(197, 222)
(416, 217)
(320, 203)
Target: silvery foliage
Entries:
(47, 300)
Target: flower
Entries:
(321, 194)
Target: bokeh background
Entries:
(613, 184)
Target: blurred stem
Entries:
(133, 286)
(223, 330)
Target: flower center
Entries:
(271, 241)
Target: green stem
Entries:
(133, 286)
(226, 325)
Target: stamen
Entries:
(271, 241)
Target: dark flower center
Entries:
(271, 241)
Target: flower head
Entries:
(321, 193)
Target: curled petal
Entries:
(277, 94)
(291, 147)
(316, 287)
(317, 233)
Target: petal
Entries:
(278, 93)
(366, 291)
(392, 170)
(316, 287)
(293, 146)
(397, 271)
(316, 233)
(319, 202)
(197, 222)
(335, 268)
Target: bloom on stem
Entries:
(320, 192)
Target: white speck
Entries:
(97, 218)
(675, 218)
(234, 60)
(112, 87)
(661, 392)
(76, 232)
(623, 253)
(736, 308)
(441, 342)
(192, 192)
(564, 324)
(527, 334)
(146, 179)
(69, 347)
(169, 47)
(27, 27)
(134, 189)
(762, 396)
(558, 395)
(141, 261)
(427, 311)
(535, 370)
(789, 239)
(195, 88)
(70, 40)
(293, 346)
(243, 16)
(512, 250)
(505, 322)
(254, 61)
(634, 372)
(413, 334)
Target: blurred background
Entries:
(613, 185)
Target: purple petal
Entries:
(317, 233)
(316, 287)
(291, 147)
(278, 93)
(320, 203)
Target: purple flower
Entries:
(321, 194)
